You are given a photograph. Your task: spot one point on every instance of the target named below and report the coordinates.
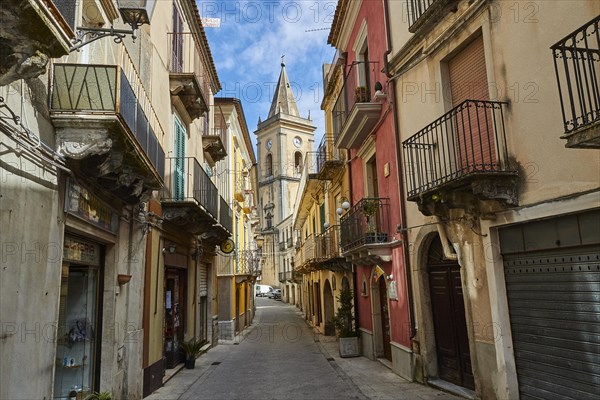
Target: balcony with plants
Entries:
(354, 114)
(460, 159)
(188, 76)
(106, 127)
(577, 65)
(366, 232)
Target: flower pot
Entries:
(190, 363)
(348, 347)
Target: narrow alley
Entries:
(279, 357)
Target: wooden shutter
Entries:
(476, 150)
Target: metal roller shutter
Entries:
(203, 280)
(554, 304)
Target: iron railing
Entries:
(360, 74)
(577, 66)
(368, 222)
(247, 262)
(306, 253)
(328, 244)
(282, 246)
(285, 276)
(185, 57)
(107, 89)
(225, 215)
(290, 242)
(327, 153)
(419, 11)
(470, 139)
(187, 181)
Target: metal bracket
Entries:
(94, 34)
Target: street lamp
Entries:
(133, 12)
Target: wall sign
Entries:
(81, 252)
(83, 204)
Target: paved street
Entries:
(281, 358)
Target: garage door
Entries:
(552, 272)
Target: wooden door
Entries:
(385, 319)
(451, 338)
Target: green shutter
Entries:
(179, 178)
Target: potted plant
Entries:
(344, 325)
(192, 349)
(361, 94)
(370, 208)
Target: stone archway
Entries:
(328, 309)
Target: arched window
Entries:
(298, 162)
(269, 165)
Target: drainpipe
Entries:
(449, 252)
(405, 242)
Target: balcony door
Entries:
(179, 173)
(473, 123)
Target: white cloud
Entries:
(247, 50)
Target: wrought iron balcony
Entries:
(103, 117)
(282, 246)
(225, 215)
(329, 251)
(214, 138)
(190, 198)
(354, 116)
(247, 263)
(422, 13)
(306, 255)
(367, 223)
(329, 159)
(188, 76)
(577, 65)
(464, 148)
(285, 276)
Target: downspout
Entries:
(449, 252)
(354, 274)
(404, 232)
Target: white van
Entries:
(262, 290)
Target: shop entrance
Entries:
(77, 349)
(174, 327)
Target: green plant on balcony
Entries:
(369, 209)
(361, 94)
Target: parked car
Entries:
(262, 290)
(275, 294)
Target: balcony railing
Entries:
(421, 11)
(225, 215)
(359, 74)
(368, 222)
(188, 182)
(468, 140)
(577, 65)
(285, 276)
(329, 159)
(282, 246)
(306, 253)
(103, 90)
(328, 244)
(185, 61)
(247, 263)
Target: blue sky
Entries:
(248, 46)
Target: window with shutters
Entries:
(468, 81)
(177, 41)
(179, 146)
